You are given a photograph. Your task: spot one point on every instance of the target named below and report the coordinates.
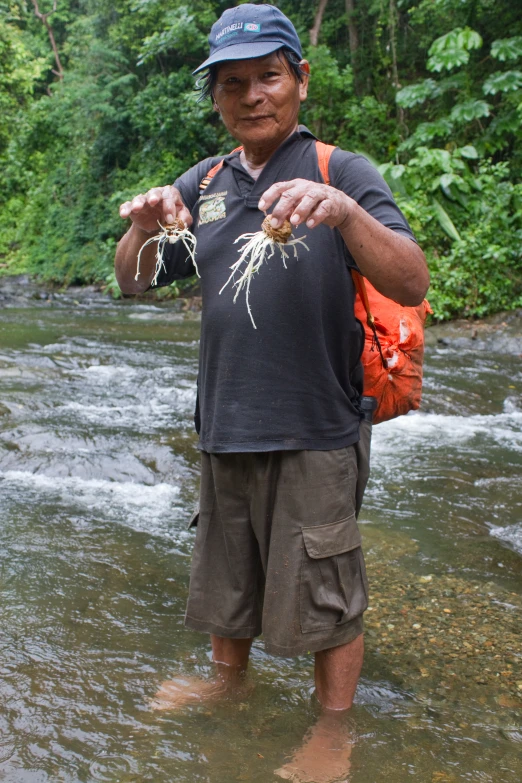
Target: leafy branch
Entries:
(44, 20)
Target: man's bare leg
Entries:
(325, 753)
(230, 656)
(231, 660)
(337, 673)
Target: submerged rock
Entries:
(441, 632)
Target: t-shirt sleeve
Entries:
(355, 176)
(176, 261)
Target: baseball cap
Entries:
(249, 31)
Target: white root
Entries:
(170, 234)
(259, 246)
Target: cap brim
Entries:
(243, 51)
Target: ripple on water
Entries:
(423, 432)
(107, 767)
(156, 509)
(461, 473)
(511, 535)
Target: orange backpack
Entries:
(393, 335)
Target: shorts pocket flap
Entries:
(333, 539)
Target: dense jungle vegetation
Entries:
(97, 103)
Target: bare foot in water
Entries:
(174, 694)
(181, 691)
(324, 756)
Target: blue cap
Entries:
(250, 31)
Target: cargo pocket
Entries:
(333, 587)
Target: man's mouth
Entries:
(256, 118)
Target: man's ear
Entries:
(303, 85)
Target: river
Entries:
(98, 477)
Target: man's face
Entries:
(259, 99)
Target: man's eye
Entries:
(271, 74)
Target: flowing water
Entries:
(98, 476)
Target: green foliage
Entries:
(19, 72)
(180, 35)
(453, 49)
(467, 215)
(508, 81)
(507, 48)
(125, 118)
(330, 90)
(469, 110)
(416, 94)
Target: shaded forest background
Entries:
(97, 103)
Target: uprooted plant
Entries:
(261, 246)
(170, 234)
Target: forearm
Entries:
(126, 261)
(392, 262)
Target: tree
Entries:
(44, 18)
(314, 32)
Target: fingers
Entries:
(273, 193)
(161, 205)
(135, 205)
(173, 206)
(298, 199)
(313, 207)
(303, 201)
(168, 206)
(321, 214)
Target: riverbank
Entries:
(23, 291)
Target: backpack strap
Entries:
(324, 153)
(209, 176)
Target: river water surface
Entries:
(98, 477)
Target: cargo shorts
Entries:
(278, 549)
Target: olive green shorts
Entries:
(278, 549)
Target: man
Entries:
(277, 547)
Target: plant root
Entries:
(170, 234)
(259, 246)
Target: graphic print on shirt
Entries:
(212, 207)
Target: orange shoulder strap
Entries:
(207, 179)
(324, 153)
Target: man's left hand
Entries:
(392, 262)
(303, 201)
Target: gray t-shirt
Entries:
(295, 381)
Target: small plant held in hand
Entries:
(260, 246)
(170, 234)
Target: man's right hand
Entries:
(158, 205)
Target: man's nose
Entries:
(252, 93)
